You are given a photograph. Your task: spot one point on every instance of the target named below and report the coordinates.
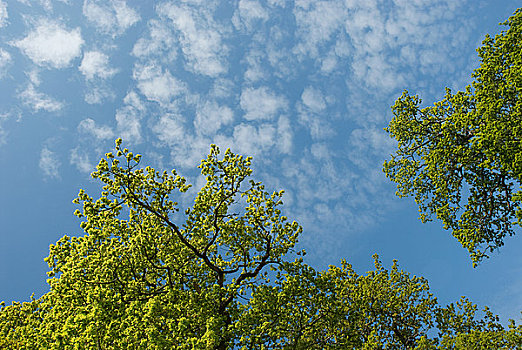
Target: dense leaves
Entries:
(215, 276)
(136, 258)
(338, 309)
(462, 157)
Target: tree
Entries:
(462, 157)
(148, 261)
(216, 276)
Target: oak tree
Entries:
(462, 157)
(217, 275)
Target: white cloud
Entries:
(88, 126)
(223, 88)
(255, 71)
(278, 47)
(320, 151)
(81, 161)
(200, 38)
(98, 93)
(46, 4)
(318, 125)
(128, 118)
(161, 44)
(49, 163)
(112, 17)
(158, 85)
(5, 60)
(39, 101)
(170, 129)
(329, 63)
(311, 114)
(3, 13)
(375, 71)
(210, 117)
(34, 77)
(319, 180)
(129, 125)
(186, 148)
(380, 33)
(3, 132)
(369, 146)
(252, 140)
(248, 13)
(51, 45)
(317, 24)
(189, 150)
(369, 37)
(330, 196)
(284, 135)
(261, 103)
(313, 99)
(280, 3)
(96, 64)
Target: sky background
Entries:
(305, 87)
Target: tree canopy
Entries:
(223, 273)
(220, 275)
(462, 157)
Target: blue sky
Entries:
(303, 86)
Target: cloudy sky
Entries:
(303, 86)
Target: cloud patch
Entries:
(170, 129)
(5, 60)
(81, 160)
(128, 118)
(200, 38)
(98, 93)
(248, 13)
(157, 84)
(261, 103)
(313, 99)
(3, 132)
(49, 163)
(89, 127)
(368, 147)
(161, 42)
(110, 17)
(52, 45)
(252, 140)
(317, 22)
(96, 64)
(3, 14)
(38, 101)
(210, 117)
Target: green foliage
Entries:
(462, 157)
(460, 329)
(338, 309)
(135, 258)
(216, 276)
(147, 275)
